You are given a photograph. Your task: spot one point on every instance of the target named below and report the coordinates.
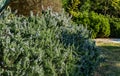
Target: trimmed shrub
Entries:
(96, 23)
(49, 45)
(82, 13)
(100, 25)
(114, 27)
(71, 5)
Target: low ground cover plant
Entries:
(46, 45)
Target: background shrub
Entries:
(115, 27)
(98, 24)
(49, 45)
(104, 7)
(93, 14)
(82, 13)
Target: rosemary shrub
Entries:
(46, 45)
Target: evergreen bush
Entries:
(81, 14)
(49, 45)
(98, 24)
(114, 27)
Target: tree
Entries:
(25, 6)
(106, 7)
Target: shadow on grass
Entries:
(111, 66)
(111, 53)
(109, 69)
(111, 47)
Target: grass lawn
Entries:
(111, 52)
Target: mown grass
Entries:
(111, 52)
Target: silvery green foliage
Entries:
(47, 45)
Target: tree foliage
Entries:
(93, 14)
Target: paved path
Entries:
(108, 40)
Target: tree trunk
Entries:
(25, 6)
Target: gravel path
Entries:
(108, 40)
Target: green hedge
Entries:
(98, 24)
(49, 45)
(82, 13)
(115, 27)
